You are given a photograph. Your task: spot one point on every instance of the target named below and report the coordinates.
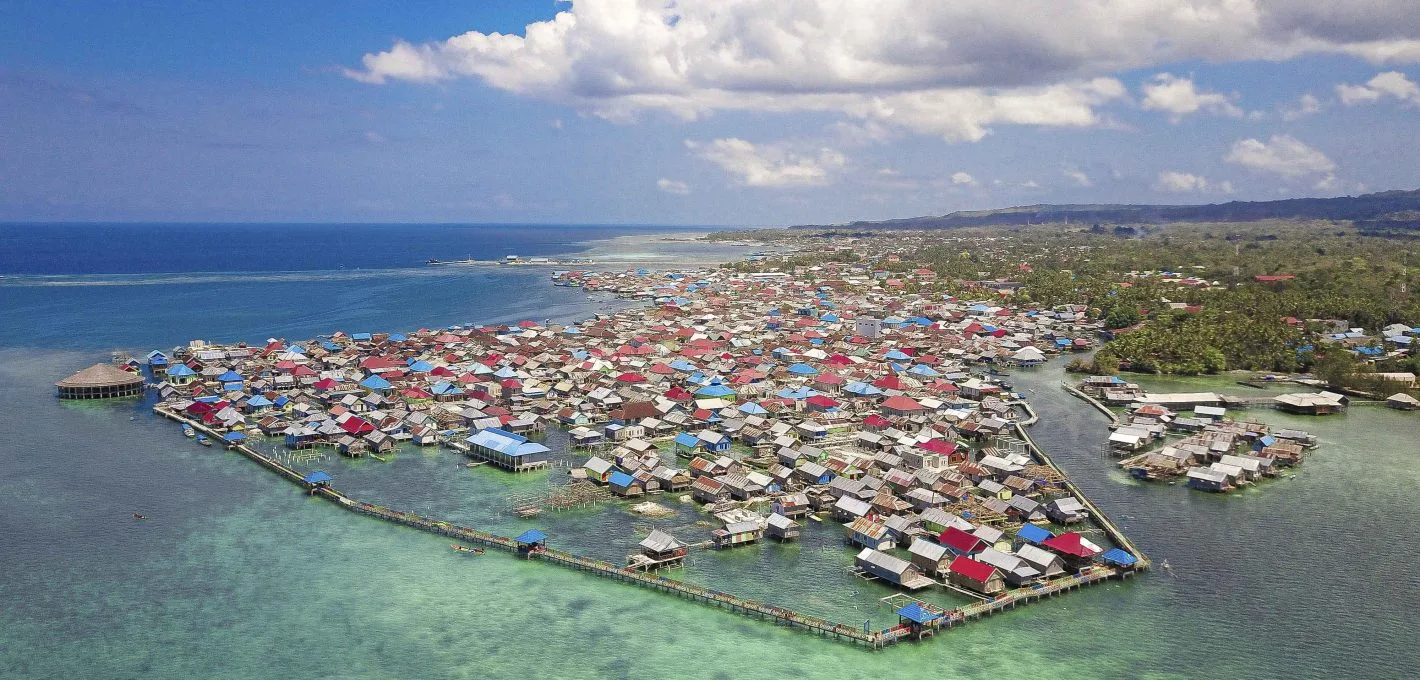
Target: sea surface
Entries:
(236, 574)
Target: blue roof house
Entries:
(375, 383)
(507, 450)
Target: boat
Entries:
(188, 432)
(138, 516)
(203, 440)
(466, 549)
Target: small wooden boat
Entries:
(188, 432)
(466, 549)
(138, 516)
(203, 440)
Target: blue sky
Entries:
(727, 112)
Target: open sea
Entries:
(236, 574)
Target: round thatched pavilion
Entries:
(101, 381)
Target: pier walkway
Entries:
(1103, 520)
(1114, 418)
(779, 615)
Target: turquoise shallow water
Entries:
(237, 575)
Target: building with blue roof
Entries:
(375, 383)
(796, 394)
(507, 450)
(232, 381)
(715, 391)
(753, 409)
(530, 540)
(1118, 557)
(181, 374)
(686, 442)
(862, 389)
(802, 369)
(623, 484)
(1031, 533)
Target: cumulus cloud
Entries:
(1181, 182)
(963, 178)
(1284, 156)
(673, 186)
(1179, 97)
(1076, 175)
(952, 70)
(1391, 84)
(769, 165)
(1176, 182)
(1306, 106)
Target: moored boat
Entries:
(203, 440)
(188, 432)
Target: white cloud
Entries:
(1176, 182)
(1286, 157)
(1181, 182)
(1076, 175)
(952, 70)
(1179, 97)
(1306, 106)
(769, 165)
(1389, 84)
(673, 186)
(373, 137)
(963, 178)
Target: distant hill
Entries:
(1383, 210)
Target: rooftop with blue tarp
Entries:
(317, 477)
(621, 479)
(915, 613)
(1033, 534)
(1119, 557)
(375, 382)
(531, 536)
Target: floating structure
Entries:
(101, 381)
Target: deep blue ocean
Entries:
(236, 574)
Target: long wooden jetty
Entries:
(1103, 520)
(840, 632)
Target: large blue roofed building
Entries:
(507, 450)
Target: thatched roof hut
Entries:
(101, 381)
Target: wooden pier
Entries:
(629, 574)
(1096, 513)
(1113, 417)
